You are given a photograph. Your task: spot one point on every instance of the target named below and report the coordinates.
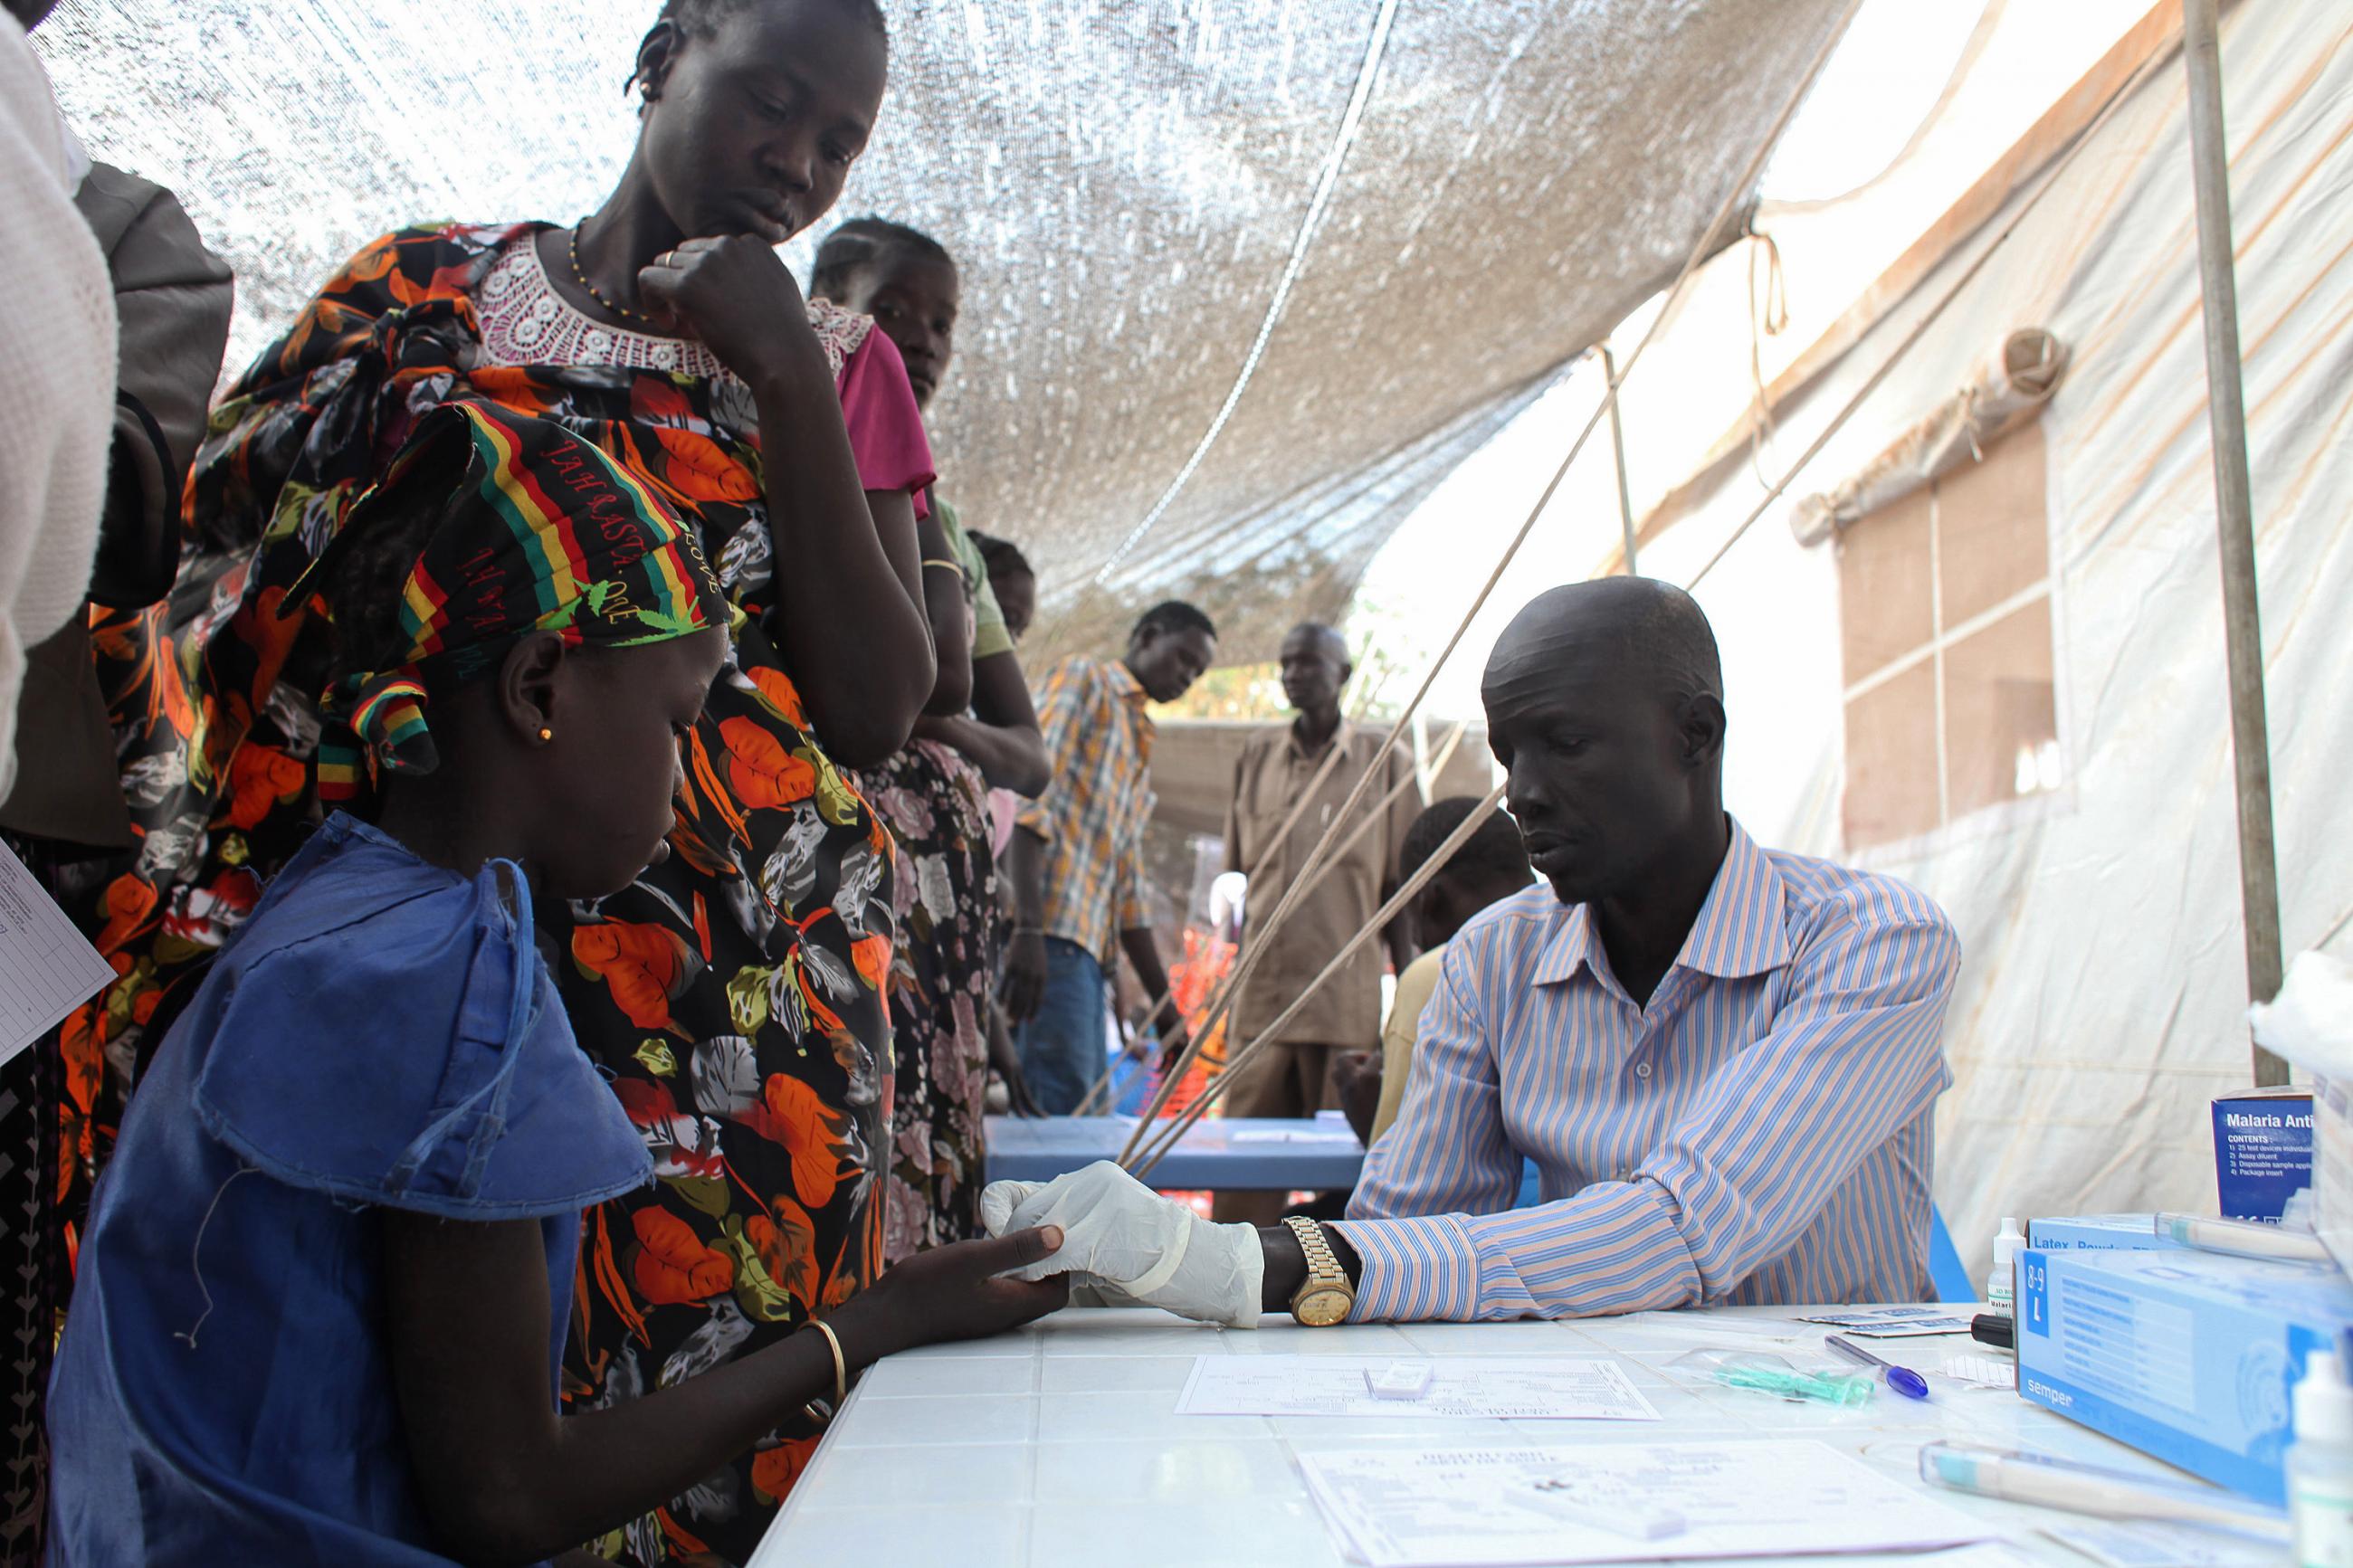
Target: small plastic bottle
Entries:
(2002, 1289)
(2319, 1465)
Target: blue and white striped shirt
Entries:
(1760, 1133)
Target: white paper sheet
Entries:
(1984, 1371)
(1493, 1507)
(1710, 1329)
(1893, 1322)
(1985, 1554)
(2116, 1544)
(46, 967)
(1522, 1388)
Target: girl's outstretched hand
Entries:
(957, 1293)
(503, 1478)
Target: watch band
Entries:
(1322, 1266)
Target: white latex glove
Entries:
(1132, 1247)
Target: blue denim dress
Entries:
(382, 1034)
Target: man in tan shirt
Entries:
(1293, 1076)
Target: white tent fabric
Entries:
(2102, 997)
(2017, 380)
(1125, 184)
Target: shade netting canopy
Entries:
(1256, 273)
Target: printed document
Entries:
(1523, 1388)
(47, 968)
(1475, 1508)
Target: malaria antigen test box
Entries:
(2186, 1355)
(2262, 1152)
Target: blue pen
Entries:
(1902, 1379)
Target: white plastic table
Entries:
(1237, 1155)
(1059, 1447)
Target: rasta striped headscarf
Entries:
(537, 531)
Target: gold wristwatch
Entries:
(1325, 1299)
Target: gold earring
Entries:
(545, 733)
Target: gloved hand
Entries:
(1125, 1245)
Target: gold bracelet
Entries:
(840, 1367)
(944, 565)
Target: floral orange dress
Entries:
(732, 997)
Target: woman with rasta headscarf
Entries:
(363, 1153)
(731, 996)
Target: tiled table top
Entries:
(1060, 1446)
(1238, 1154)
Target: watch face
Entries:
(1322, 1309)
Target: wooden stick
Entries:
(1322, 772)
(1340, 856)
(1097, 1088)
(1167, 1138)
(2050, 178)
(1155, 1151)
(1690, 264)
(1253, 952)
(1218, 997)
(1365, 697)
(1422, 876)
(1380, 808)
(1617, 445)
(2226, 421)
(1291, 818)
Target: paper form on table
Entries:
(2113, 1543)
(1489, 1508)
(1984, 1554)
(1714, 1328)
(1518, 1388)
(46, 967)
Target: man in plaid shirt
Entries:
(1078, 853)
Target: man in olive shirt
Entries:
(1293, 1076)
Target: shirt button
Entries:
(1642, 1070)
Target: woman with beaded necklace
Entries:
(731, 994)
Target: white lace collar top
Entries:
(525, 321)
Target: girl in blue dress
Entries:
(323, 1300)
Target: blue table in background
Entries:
(1241, 1155)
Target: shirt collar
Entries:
(1740, 930)
(1124, 686)
(1343, 736)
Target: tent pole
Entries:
(2234, 519)
(1618, 441)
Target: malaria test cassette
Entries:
(1399, 1380)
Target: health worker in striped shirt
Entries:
(1722, 1059)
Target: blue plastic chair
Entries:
(1945, 1272)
